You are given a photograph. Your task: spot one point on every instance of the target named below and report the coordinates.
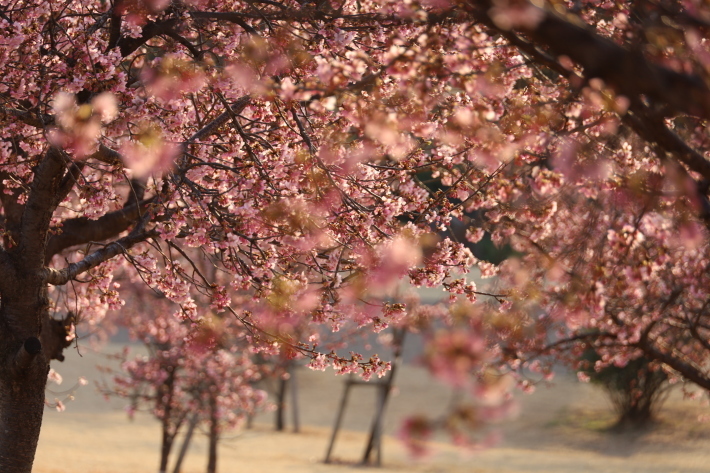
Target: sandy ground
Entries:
(561, 429)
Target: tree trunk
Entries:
(23, 377)
(164, 397)
(213, 436)
(27, 342)
(21, 409)
(185, 444)
(165, 448)
(281, 405)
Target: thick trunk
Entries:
(24, 321)
(23, 377)
(27, 342)
(21, 409)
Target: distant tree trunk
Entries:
(164, 396)
(281, 404)
(166, 446)
(637, 390)
(636, 416)
(213, 436)
(185, 443)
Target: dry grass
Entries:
(562, 429)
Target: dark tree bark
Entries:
(23, 372)
(24, 364)
(164, 400)
(213, 437)
(24, 375)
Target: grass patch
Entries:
(585, 419)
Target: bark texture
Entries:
(23, 377)
(21, 407)
(24, 364)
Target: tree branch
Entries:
(686, 370)
(647, 123)
(55, 336)
(12, 210)
(232, 17)
(106, 155)
(151, 30)
(7, 271)
(114, 29)
(69, 180)
(59, 277)
(652, 129)
(137, 191)
(29, 118)
(628, 72)
(221, 119)
(302, 131)
(308, 14)
(81, 230)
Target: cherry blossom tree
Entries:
(286, 141)
(193, 373)
(190, 376)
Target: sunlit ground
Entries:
(560, 429)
